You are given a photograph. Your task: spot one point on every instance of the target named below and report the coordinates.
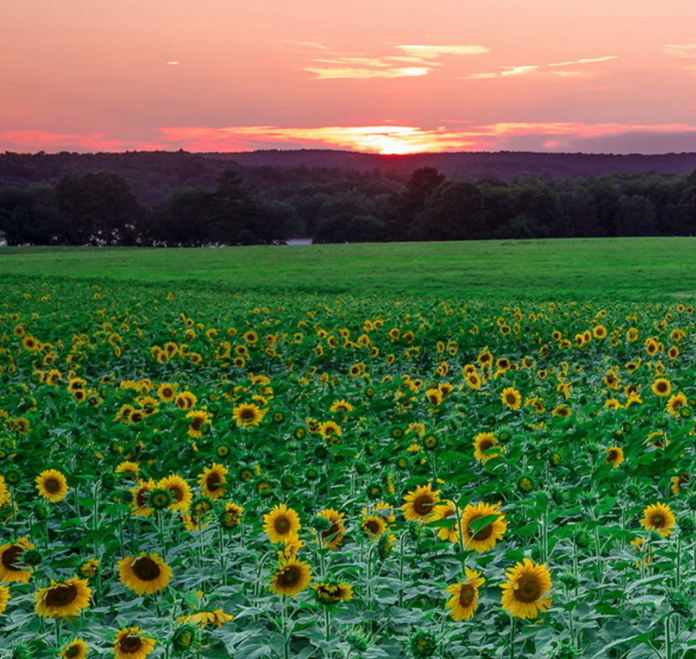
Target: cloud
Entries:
(308, 44)
(421, 58)
(391, 139)
(506, 71)
(386, 139)
(173, 63)
(684, 50)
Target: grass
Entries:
(623, 268)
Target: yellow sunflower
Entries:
(231, 516)
(63, 599)
(11, 570)
(291, 577)
(130, 644)
(333, 536)
(139, 501)
(464, 600)
(248, 414)
(212, 481)
(615, 456)
(185, 400)
(445, 510)
(482, 443)
(511, 398)
(485, 538)
(4, 493)
(329, 593)
(281, 524)
(341, 406)
(329, 428)
(373, 526)
(166, 392)
(144, 574)
(181, 492)
(199, 418)
(204, 618)
(525, 592)
(678, 482)
(52, 485)
(658, 517)
(4, 598)
(675, 403)
(662, 387)
(419, 504)
(76, 649)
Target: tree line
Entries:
(264, 205)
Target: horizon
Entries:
(395, 78)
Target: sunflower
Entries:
(11, 561)
(329, 429)
(291, 577)
(128, 468)
(181, 492)
(333, 536)
(658, 517)
(63, 599)
(4, 598)
(524, 593)
(76, 649)
(615, 456)
(511, 398)
(204, 618)
(89, 568)
(675, 403)
(341, 406)
(199, 419)
(166, 392)
(248, 414)
(212, 481)
(464, 600)
(373, 526)
(330, 592)
(419, 504)
(139, 501)
(485, 538)
(678, 482)
(52, 485)
(290, 549)
(661, 387)
(445, 510)
(482, 443)
(130, 644)
(144, 574)
(185, 400)
(281, 524)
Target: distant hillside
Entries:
(503, 165)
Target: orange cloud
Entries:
(39, 140)
(542, 68)
(422, 58)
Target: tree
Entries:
(405, 206)
(454, 211)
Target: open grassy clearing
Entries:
(623, 268)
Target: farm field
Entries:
(623, 268)
(202, 454)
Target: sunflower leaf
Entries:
(481, 523)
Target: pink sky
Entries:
(389, 76)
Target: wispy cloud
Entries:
(547, 69)
(687, 50)
(307, 44)
(40, 140)
(421, 59)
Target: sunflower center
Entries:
(130, 644)
(141, 497)
(213, 481)
(247, 414)
(52, 485)
(528, 589)
(177, 492)
(289, 577)
(146, 569)
(466, 594)
(486, 444)
(423, 504)
(10, 558)
(658, 521)
(511, 399)
(372, 526)
(484, 533)
(72, 652)
(611, 456)
(61, 595)
(196, 423)
(282, 525)
(330, 532)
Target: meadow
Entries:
(452, 450)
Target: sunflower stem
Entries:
(286, 630)
(59, 622)
(668, 637)
(401, 568)
(512, 637)
(327, 624)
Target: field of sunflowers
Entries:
(216, 475)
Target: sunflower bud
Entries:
(569, 580)
(680, 603)
(358, 640)
(385, 544)
(184, 638)
(525, 484)
(687, 526)
(321, 523)
(160, 498)
(31, 557)
(423, 644)
(582, 539)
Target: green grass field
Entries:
(624, 268)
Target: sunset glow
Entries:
(387, 77)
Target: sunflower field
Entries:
(216, 475)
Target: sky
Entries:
(378, 76)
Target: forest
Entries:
(181, 199)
